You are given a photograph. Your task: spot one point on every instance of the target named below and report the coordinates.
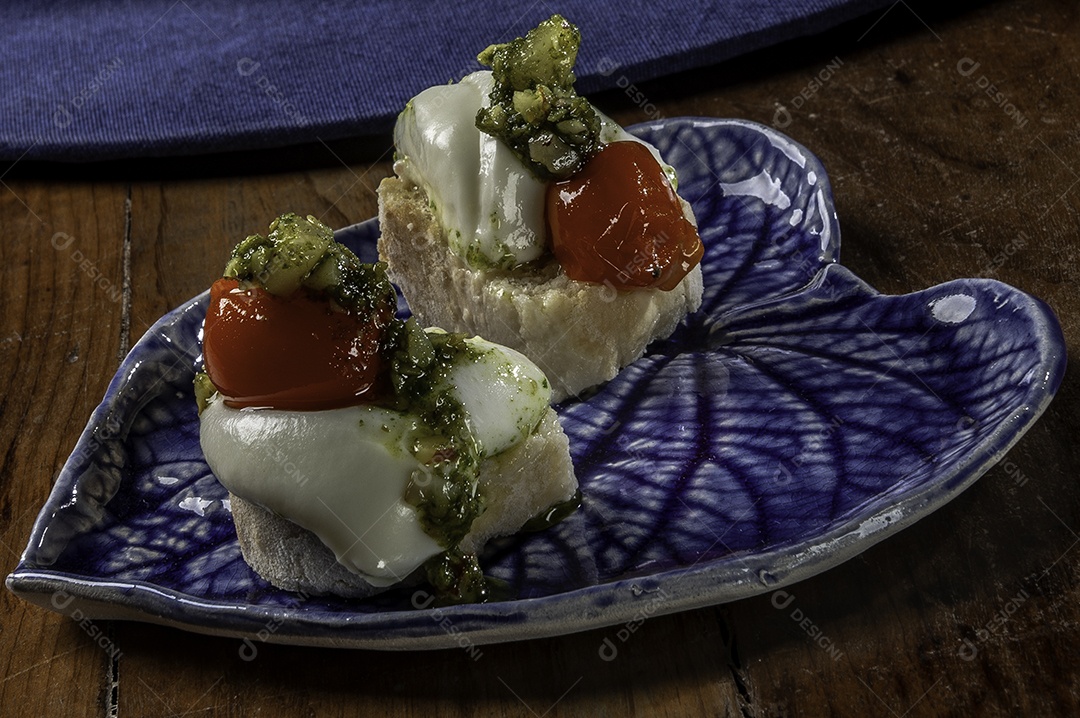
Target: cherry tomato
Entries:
(300, 352)
(619, 222)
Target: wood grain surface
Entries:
(950, 136)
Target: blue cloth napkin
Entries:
(102, 80)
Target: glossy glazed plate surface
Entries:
(795, 420)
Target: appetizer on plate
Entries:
(521, 213)
(359, 450)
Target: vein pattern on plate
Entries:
(776, 421)
(762, 202)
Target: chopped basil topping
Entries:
(299, 252)
(534, 108)
(204, 389)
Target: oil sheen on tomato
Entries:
(619, 222)
(298, 353)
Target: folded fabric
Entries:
(102, 80)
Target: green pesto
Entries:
(478, 259)
(553, 514)
(445, 492)
(534, 108)
(457, 578)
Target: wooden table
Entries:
(949, 136)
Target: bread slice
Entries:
(517, 485)
(522, 482)
(580, 334)
(293, 558)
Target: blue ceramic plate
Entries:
(794, 421)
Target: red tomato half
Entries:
(298, 352)
(619, 222)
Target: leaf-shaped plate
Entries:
(798, 418)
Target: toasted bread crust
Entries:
(290, 557)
